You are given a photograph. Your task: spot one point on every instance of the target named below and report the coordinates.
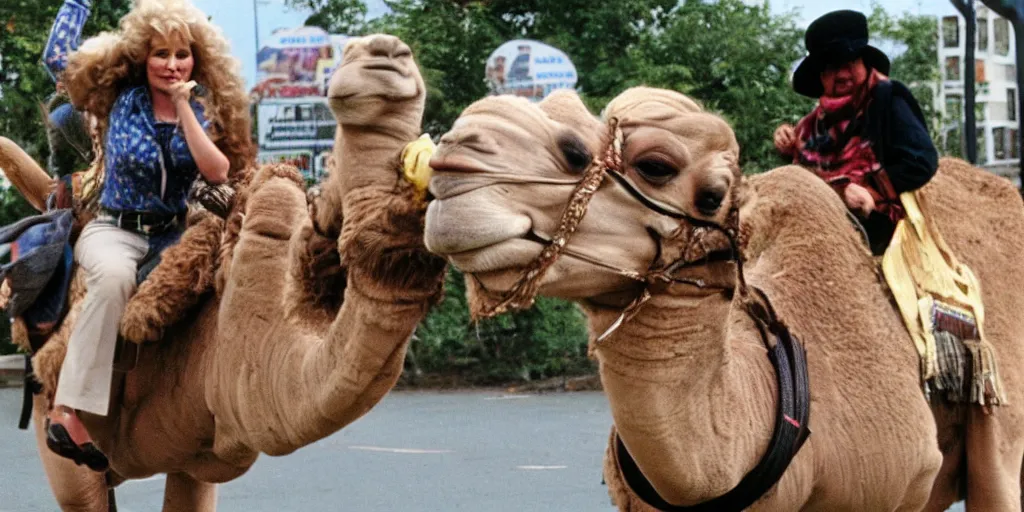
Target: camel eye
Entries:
(655, 171)
(575, 152)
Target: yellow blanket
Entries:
(922, 271)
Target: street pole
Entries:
(966, 8)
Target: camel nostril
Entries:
(709, 199)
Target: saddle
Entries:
(939, 299)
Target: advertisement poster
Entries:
(297, 62)
(530, 69)
(295, 124)
(301, 129)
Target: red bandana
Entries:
(833, 144)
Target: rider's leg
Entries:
(109, 255)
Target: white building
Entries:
(996, 77)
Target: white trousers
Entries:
(110, 257)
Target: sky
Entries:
(240, 19)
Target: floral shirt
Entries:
(65, 35)
(147, 165)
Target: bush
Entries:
(549, 340)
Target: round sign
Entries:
(530, 69)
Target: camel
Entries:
(693, 394)
(313, 310)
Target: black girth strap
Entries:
(789, 360)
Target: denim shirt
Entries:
(147, 165)
(65, 35)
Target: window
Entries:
(982, 35)
(952, 68)
(954, 107)
(1011, 104)
(1014, 143)
(950, 32)
(1001, 34)
(979, 112)
(979, 71)
(999, 143)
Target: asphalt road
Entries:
(415, 452)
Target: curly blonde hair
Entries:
(109, 63)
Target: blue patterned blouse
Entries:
(65, 35)
(148, 166)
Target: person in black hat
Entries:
(867, 136)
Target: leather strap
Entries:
(791, 430)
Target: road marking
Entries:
(540, 468)
(508, 397)
(397, 450)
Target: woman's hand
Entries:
(210, 160)
(859, 199)
(181, 93)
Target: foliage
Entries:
(24, 82)
(335, 16)
(548, 340)
(735, 58)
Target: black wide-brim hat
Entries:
(835, 38)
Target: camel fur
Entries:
(691, 389)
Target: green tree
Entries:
(24, 83)
(335, 16)
(548, 340)
(734, 57)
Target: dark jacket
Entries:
(898, 130)
(899, 134)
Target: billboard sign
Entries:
(297, 62)
(530, 69)
(300, 130)
(295, 124)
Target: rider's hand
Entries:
(785, 139)
(181, 92)
(859, 199)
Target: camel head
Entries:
(378, 78)
(506, 171)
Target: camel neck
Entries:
(692, 394)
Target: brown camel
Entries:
(308, 328)
(692, 392)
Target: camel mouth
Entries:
(462, 224)
(383, 66)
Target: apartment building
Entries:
(996, 99)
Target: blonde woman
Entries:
(155, 137)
